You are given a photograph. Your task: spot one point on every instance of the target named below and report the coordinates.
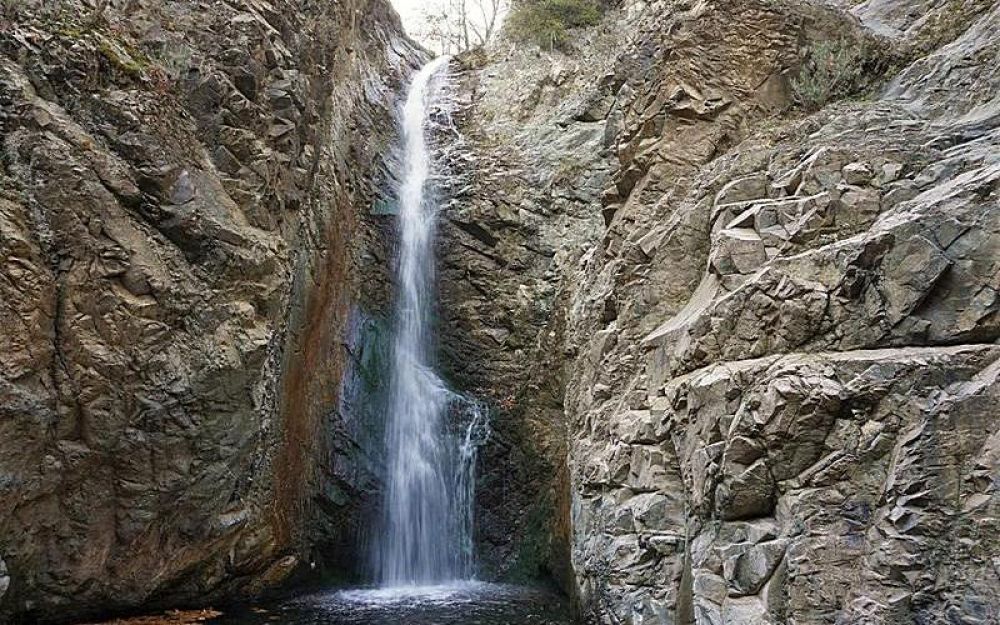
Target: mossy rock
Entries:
(128, 61)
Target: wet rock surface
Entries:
(518, 217)
(184, 232)
(4, 578)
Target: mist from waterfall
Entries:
(431, 432)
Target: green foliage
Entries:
(546, 22)
(835, 70)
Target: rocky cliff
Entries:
(184, 245)
(726, 271)
(732, 270)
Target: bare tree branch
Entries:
(453, 26)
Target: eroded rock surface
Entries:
(525, 181)
(183, 235)
(771, 337)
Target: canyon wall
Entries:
(726, 272)
(731, 271)
(185, 243)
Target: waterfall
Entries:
(431, 433)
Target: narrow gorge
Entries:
(645, 312)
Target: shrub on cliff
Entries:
(834, 70)
(546, 22)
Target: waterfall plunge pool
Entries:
(459, 603)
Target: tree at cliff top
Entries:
(546, 22)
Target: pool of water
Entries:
(467, 603)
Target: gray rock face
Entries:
(183, 192)
(520, 211)
(777, 355)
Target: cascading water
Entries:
(423, 550)
(432, 433)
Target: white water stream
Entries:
(431, 432)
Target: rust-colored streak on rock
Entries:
(176, 224)
(314, 365)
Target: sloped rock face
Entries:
(790, 481)
(527, 214)
(777, 353)
(182, 237)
